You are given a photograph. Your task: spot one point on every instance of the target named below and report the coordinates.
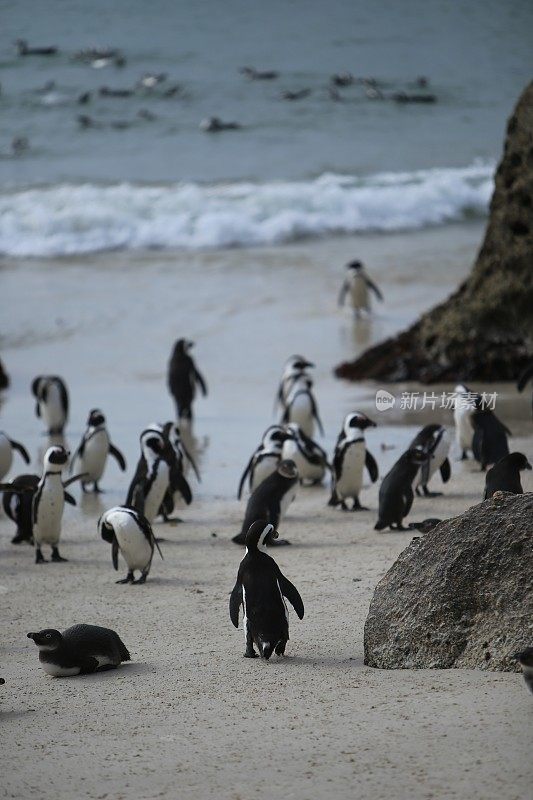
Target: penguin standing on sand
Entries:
(49, 502)
(295, 367)
(525, 659)
(358, 285)
(264, 460)
(396, 492)
(505, 475)
(490, 442)
(301, 407)
(52, 403)
(18, 506)
(311, 461)
(260, 589)
(463, 409)
(93, 450)
(152, 476)
(184, 457)
(79, 650)
(270, 501)
(435, 441)
(183, 377)
(178, 490)
(7, 446)
(130, 533)
(349, 461)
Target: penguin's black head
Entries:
(36, 385)
(95, 418)
(47, 639)
(524, 657)
(55, 458)
(355, 265)
(299, 363)
(153, 442)
(275, 435)
(518, 460)
(359, 421)
(257, 534)
(288, 469)
(182, 346)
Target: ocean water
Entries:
(309, 168)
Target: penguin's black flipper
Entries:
(21, 449)
(191, 461)
(342, 293)
(292, 594)
(114, 552)
(315, 415)
(135, 496)
(243, 477)
(78, 477)
(78, 454)
(445, 471)
(180, 484)
(201, 381)
(371, 465)
(117, 455)
(69, 499)
(372, 285)
(235, 603)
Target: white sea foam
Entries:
(70, 219)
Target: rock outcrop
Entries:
(460, 596)
(484, 331)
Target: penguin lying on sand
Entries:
(260, 589)
(505, 475)
(270, 501)
(7, 447)
(396, 492)
(79, 650)
(131, 533)
(349, 460)
(93, 451)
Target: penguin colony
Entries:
(287, 459)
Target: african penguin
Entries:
(504, 476)
(435, 441)
(311, 461)
(152, 476)
(94, 448)
(79, 650)
(295, 367)
(301, 406)
(183, 376)
(52, 403)
(358, 285)
(130, 533)
(271, 500)
(178, 491)
(396, 491)
(525, 659)
(264, 460)
(490, 435)
(7, 446)
(260, 589)
(463, 408)
(349, 460)
(18, 505)
(48, 503)
(183, 454)
(525, 376)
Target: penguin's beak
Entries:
(31, 636)
(528, 465)
(274, 534)
(370, 423)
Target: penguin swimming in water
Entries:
(52, 404)
(7, 446)
(18, 506)
(435, 441)
(505, 475)
(525, 659)
(93, 451)
(152, 476)
(183, 376)
(264, 460)
(49, 502)
(270, 501)
(525, 376)
(79, 650)
(260, 589)
(130, 533)
(463, 409)
(295, 368)
(358, 285)
(490, 443)
(310, 459)
(349, 460)
(396, 492)
(25, 50)
(301, 407)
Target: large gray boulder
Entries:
(460, 596)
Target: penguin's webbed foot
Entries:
(250, 653)
(140, 580)
(344, 506)
(56, 557)
(39, 558)
(358, 507)
(464, 456)
(427, 493)
(280, 648)
(278, 543)
(97, 489)
(173, 520)
(127, 579)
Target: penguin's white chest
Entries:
(359, 295)
(6, 455)
(49, 511)
(301, 412)
(287, 499)
(441, 453)
(464, 431)
(307, 471)
(263, 469)
(133, 544)
(59, 672)
(94, 456)
(52, 409)
(157, 490)
(350, 481)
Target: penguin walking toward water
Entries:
(463, 410)
(295, 367)
(349, 461)
(505, 475)
(49, 502)
(396, 492)
(270, 501)
(7, 447)
(94, 448)
(311, 461)
(152, 476)
(79, 650)
(525, 376)
(183, 377)
(358, 286)
(301, 407)
(264, 460)
(18, 506)
(490, 442)
(52, 402)
(130, 533)
(435, 441)
(260, 589)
